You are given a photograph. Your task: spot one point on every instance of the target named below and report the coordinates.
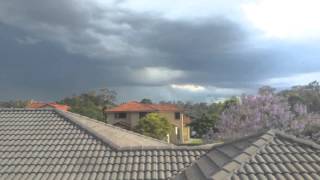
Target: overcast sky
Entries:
(200, 50)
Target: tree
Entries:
(254, 113)
(92, 104)
(312, 130)
(266, 90)
(308, 95)
(203, 124)
(14, 104)
(146, 101)
(154, 125)
(228, 103)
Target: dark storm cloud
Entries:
(60, 13)
(212, 52)
(42, 71)
(50, 49)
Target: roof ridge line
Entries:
(296, 139)
(121, 129)
(215, 146)
(242, 158)
(117, 147)
(230, 141)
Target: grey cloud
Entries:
(59, 13)
(84, 46)
(43, 71)
(211, 52)
(28, 40)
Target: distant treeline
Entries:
(267, 109)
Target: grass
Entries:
(195, 141)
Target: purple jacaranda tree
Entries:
(261, 112)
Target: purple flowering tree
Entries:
(255, 113)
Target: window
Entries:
(120, 115)
(177, 115)
(142, 114)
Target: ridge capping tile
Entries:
(298, 140)
(242, 157)
(231, 166)
(84, 126)
(251, 150)
(238, 161)
(99, 135)
(221, 175)
(231, 141)
(259, 142)
(105, 124)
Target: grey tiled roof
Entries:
(114, 136)
(269, 156)
(47, 144)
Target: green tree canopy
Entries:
(308, 95)
(146, 101)
(154, 125)
(204, 123)
(91, 104)
(13, 104)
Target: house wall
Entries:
(112, 120)
(176, 133)
(186, 134)
(132, 119)
(177, 136)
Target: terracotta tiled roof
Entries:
(59, 106)
(37, 105)
(134, 106)
(165, 107)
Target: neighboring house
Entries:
(53, 144)
(37, 105)
(128, 114)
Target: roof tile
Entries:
(232, 166)
(315, 175)
(47, 144)
(220, 175)
(280, 157)
(206, 166)
(134, 106)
